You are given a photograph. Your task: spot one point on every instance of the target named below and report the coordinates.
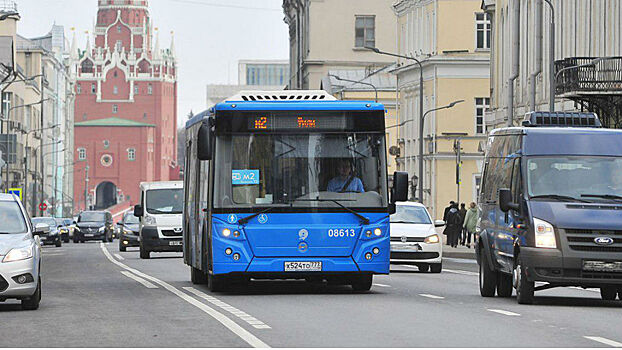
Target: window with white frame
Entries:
(482, 104)
(483, 28)
(365, 31)
(81, 153)
(135, 89)
(6, 104)
(115, 90)
(150, 89)
(78, 89)
(115, 109)
(131, 154)
(119, 29)
(93, 88)
(118, 45)
(477, 182)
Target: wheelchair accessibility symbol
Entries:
(232, 218)
(263, 218)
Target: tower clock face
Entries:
(106, 160)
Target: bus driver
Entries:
(345, 181)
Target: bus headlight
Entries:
(226, 232)
(432, 239)
(378, 232)
(545, 234)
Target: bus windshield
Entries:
(308, 170)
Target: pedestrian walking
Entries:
(470, 221)
(463, 212)
(453, 227)
(445, 231)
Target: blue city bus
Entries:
(288, 185)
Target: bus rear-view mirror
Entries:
(400, 187)
(205, 142)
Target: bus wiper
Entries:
(605, 196)
(364, 220)
(245, 220)
(560, 197)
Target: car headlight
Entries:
(149, 220)
(18, 254)
(127, 232)
(545, 234)
(64, 230)
(102, 229)
(432, 239)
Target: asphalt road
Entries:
(95, 296)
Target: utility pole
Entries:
(86, 187)
(458, 150)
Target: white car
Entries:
(414, 239)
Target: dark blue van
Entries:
(551, 207)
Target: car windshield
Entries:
(130, 219)
(165, 201)
(309, 170)
(407, 214)
(60, 222)
(11, 218)
(92, 217)
(48, 221)
(67, 221)
(586, 177)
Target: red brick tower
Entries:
(126, 107)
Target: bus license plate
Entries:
(292, 266)
(174, 243)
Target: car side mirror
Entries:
(205, 143)
(399, 192)
(41, 229)
(74, 223)
(439, 223)
(505, 200)
(138, 211)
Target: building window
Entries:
(84, 116)
(119, 29)
(483, 25)
(115, 109)
(6, 104)
(136, 89)
(365, 31)
(131, 154)
(93, 88)
(150, 89)
(477, 182)
(78, 89)
(115, 74)
(106, 144)
(144, 115)
(482, 104)
(81, 153)
(115, 90)
(118, 46)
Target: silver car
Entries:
(20, 254)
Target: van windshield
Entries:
(165, 201)
(581, 177)
(11, 218)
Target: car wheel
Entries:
(620, 293)
(144, 253)
(75, 240)
(216, 283)
(524, 288)
(121, 247)
(436, 268)
(33, 302)
(504, 285)
(423, 267)
(487, 277)
(197, 276)
(362, 283)
(608, 293)
(59, 243)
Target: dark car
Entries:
(63, 229)
(129, 230)
(53, 236)
(93, 225)
(550, 206)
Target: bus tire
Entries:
(216, 283)
(362, 283)
(197, 276)
(487, 277)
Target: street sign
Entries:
(17, 192)
(43, 207)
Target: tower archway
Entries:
(105, 195)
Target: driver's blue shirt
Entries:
(336, 185)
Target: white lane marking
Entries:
(605, 341)
(594, 290)
(53, 254)
(224, 320)
(119, 257)
(504, 312)
(431, 296)
(382, 285)
(139, 280)
(461, 261)
(232, 310)
(461, 272)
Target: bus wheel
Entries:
(197, 276)
(216, 283)
(362, 283)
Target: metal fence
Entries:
(605, 76)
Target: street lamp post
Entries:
(552, 84)
(54, 187)
(356, 82)
(34, 195)
(26, 158)
(376, 50)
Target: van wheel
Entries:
(487, 277)
(197, 276)
(144, 253)
(33, 302)
(608, 293)
(216, 283)
(524, 288)
(504, 285)
(436, 268)
(362, 283)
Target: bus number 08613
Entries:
(342, 232)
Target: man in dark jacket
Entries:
(453, 227)
(463, 212)
(445, 232)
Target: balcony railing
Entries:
(605, 76)
(7, 6)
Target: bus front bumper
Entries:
(327, 266)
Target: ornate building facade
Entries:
(126, 107)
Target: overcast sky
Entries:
(210, 36)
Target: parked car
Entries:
(20, 254)
(414, 239)
(63, 230)
(53, 235)
(130, 229)
(93, 225)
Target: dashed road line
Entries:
(431, 296)
(461, 272)
(238, 330)
(139, 280)
(232, 310)
(119, 256)
(460, 260)
(504, 312)
(382, 285)
(605, 341)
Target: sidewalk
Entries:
(459, 252)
